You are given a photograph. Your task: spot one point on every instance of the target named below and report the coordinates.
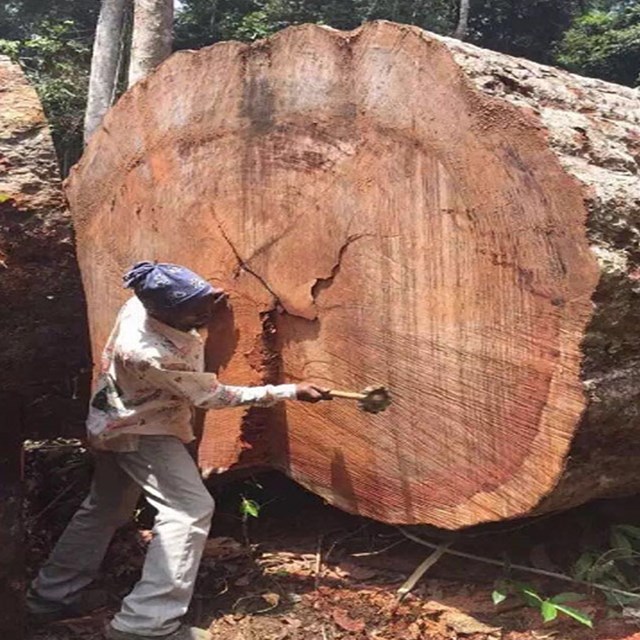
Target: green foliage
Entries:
(52, 41)
(549, 607)
(58, 65)
(527, 28)
(605, 44)
(599, 37)
(498, 596)
(249, 508)
(618, 567)
(202, 22)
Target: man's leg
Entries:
(76, 558)
(171, 483)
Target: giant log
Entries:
(43, 337)
(388, 206)
(44, 346)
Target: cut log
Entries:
(387, 206)
(44, 349)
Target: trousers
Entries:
(166, 474)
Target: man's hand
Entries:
(308, 392)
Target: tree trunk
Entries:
(387, 206)
(152, 36)
(463, 20)
(104, 64)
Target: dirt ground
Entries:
(305, 571)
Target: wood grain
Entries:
(376, 218)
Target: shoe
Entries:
(41, 611)
(182, 633)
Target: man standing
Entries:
(139, 422)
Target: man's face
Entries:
(193, 314)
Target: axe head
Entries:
(376, 399)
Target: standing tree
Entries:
(104, 64)
(604, 42)
(152, 36)
(463, 20)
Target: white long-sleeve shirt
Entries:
(152, 376)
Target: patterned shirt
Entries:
(152, 376)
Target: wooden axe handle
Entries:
(349, 395)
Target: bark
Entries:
(152, 36)
(44, 351)
(104, 64)
(388, 206)
(463, 20)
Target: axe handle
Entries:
(349, 395)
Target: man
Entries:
(139, 421)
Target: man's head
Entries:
(174, 294)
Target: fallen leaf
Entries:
(433, 606)
(223, 548)
(358, 572)
(466, 624)
(294, 623)
(272, 599)
(342, 619)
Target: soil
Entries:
(303, 570)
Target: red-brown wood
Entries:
(376, 219)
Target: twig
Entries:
(318, 565)
(379, 551)
(55, 500)
(343, 538)
(520, 567)
(426, 564)
(254, 597)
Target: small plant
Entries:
(618, 567)
(549, 608)
(248, 509)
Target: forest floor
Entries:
(303, 570)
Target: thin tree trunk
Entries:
(152, 36)
(104, 64)
(463, 20)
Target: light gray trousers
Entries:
(167, 475)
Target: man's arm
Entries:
(205, 391)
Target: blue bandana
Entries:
(161, 285)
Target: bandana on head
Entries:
(162, 285)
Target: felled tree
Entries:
(388, 206)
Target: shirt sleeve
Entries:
(205, 391)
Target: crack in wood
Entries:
(322, 284)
